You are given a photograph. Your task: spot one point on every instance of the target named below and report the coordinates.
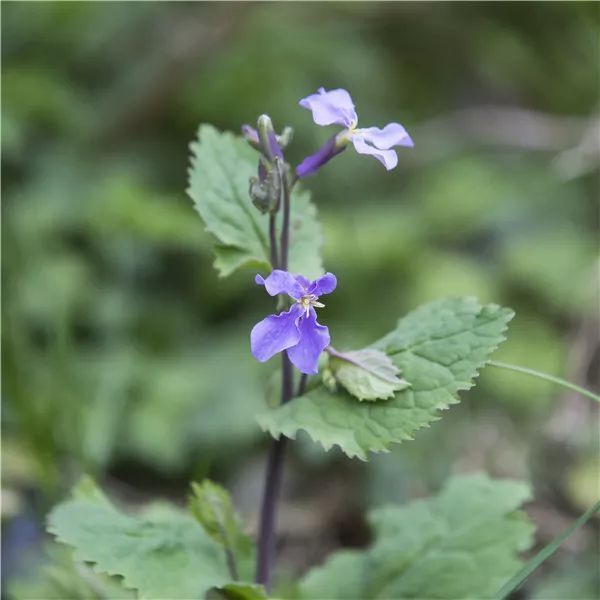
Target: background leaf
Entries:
(221, 166)
(162, 553)
(237, 591)
(461, 544)
(213, 509)
(439, 347)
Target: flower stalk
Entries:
(276, 457)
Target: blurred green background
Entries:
(125, 356)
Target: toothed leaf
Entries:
(439, 349)
(161, 553)
(462, 544)
(221, 166)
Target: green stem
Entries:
(546, 377)
(545, 553)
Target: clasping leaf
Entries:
(367, 374)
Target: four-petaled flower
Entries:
(336, 107)
(296, 330)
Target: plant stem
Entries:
(302, 385)
(285, 226)
(546, 377)
(274, 473)
(266, 536)
(273, 240)
(546, 552)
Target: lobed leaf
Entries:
(162, 553)
(221, 165)
(439, 348)
(462, 544)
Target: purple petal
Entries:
(314, 338)
(275, 333)
(324, 285)
(393, 134)
(250, 134)
(331, 107)
(311, 164)
(274, 145)
(305, 283)
(281, 282)
(388, 158)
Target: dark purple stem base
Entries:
(268, 512)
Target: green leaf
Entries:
(86, 489)
(463, 543)
(238, 591)
(367, 374)
(56, 576)
(439, 348)
(221, 166)
(212, 507)
(162, 553)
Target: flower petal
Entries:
(274, 145)
(331, 107)
(275, 333)
(314, 338)
(388, 158)
(305, 283)
(393, 134)
(281, 282)
(324, 285)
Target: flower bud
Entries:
(267, 138)
(251, 136)
(285, 138)
(265, 191)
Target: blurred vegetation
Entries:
(126, 357)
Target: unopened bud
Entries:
(259, 195)
(251, 136)
(285, 137)
(268, 140)
(265, 191)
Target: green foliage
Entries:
(221, 167)
(462, 544)
(213, 509)
(439, 347)
(366, 374)
(161, 553)
(60, 577)
(237, 591)
(116, 334)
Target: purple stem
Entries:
(273, 240)
(285, 226)
(273, 476)
(268, 512)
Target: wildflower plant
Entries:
(463, 543)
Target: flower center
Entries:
(307, 301)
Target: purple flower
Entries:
(336, 107)
(295, 330)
